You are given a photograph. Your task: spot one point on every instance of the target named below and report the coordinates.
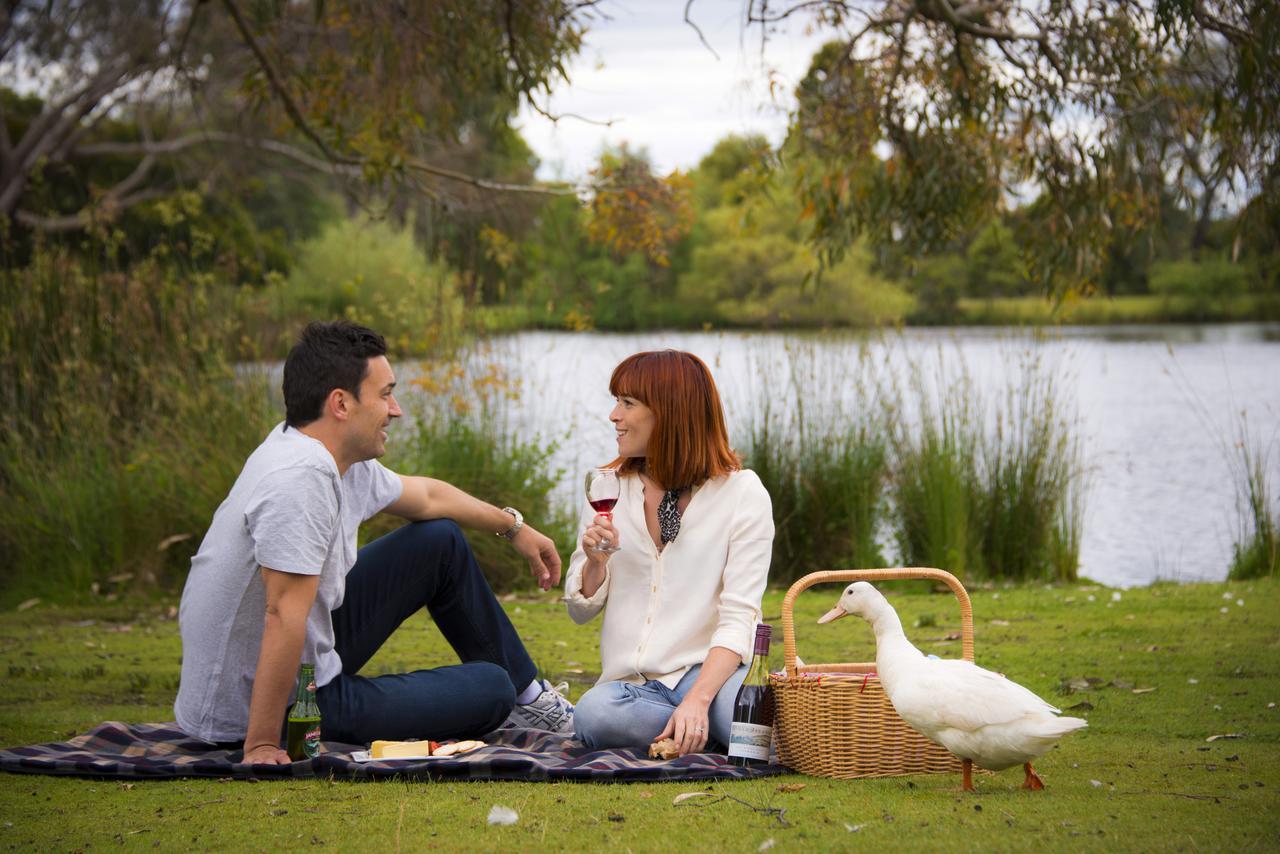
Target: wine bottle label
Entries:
(311, 742)
(750, 741)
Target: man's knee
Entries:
(436, 532)
(494, 694)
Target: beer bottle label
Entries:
(750, 741)
(311, 742)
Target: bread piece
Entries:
(457, 748)
(399, 749)
(665, 749)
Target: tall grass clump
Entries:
(123, 423)
(1031, 464)
(1256, 552)
(988, 487)
(819, 448)
(460, 429)
(936, 481)
(374, 273)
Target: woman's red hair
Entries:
(689, 444)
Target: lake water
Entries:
(1157, 407)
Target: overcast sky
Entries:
(646, 69)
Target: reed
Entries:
(822, 455)
(123, 423)
(987, 488)
(461, 429)
(1256, 552)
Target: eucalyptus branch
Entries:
(763, 17)
(1209, 21)
(556, 117)
(277, 85)
(84, 217)
(687, 6)
(353, 168)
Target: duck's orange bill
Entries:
(834, 614)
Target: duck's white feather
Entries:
(974, 713)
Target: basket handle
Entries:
(843, 575)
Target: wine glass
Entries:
(603, 490)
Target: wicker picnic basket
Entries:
(834, 720)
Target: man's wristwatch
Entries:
(511, 532)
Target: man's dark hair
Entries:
(327, 356)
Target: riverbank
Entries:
(1105, 310)
(1157, 671)
(1097, 310)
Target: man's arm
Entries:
(289, 600)
(428, 498)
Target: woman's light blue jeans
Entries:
(619, 714)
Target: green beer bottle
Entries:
(303, 740)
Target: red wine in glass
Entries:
(603, 490)
(603, 505)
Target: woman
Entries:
(681, 598)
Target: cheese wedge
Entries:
(399, 749)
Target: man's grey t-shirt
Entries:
(289, 510)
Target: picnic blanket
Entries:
(158, 751)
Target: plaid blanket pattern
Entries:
(157, 751)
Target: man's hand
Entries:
(544, 560)
(288, 599)
(266, 754)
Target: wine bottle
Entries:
(751, 733)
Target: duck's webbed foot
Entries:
(967, 765)
(1032, 783)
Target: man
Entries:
(278, 580)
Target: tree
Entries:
(634, 210)
(368, 92)
(925, 116)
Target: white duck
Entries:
(978, 715)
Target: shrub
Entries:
(374, 273)
(461, 432)
(123, 425)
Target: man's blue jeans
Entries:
(423, 564)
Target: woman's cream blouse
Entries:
(663, 611)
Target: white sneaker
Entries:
(550, 711)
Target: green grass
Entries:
(1141, 778)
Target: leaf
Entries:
(1225, 735)
(29, 603)
(1143, 690)
(688, 796)
(767, 844)
(791, 787)
(1082, 706)
(173, 540)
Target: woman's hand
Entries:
(689, 725)
(599, 533)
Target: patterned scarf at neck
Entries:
(669, 515)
